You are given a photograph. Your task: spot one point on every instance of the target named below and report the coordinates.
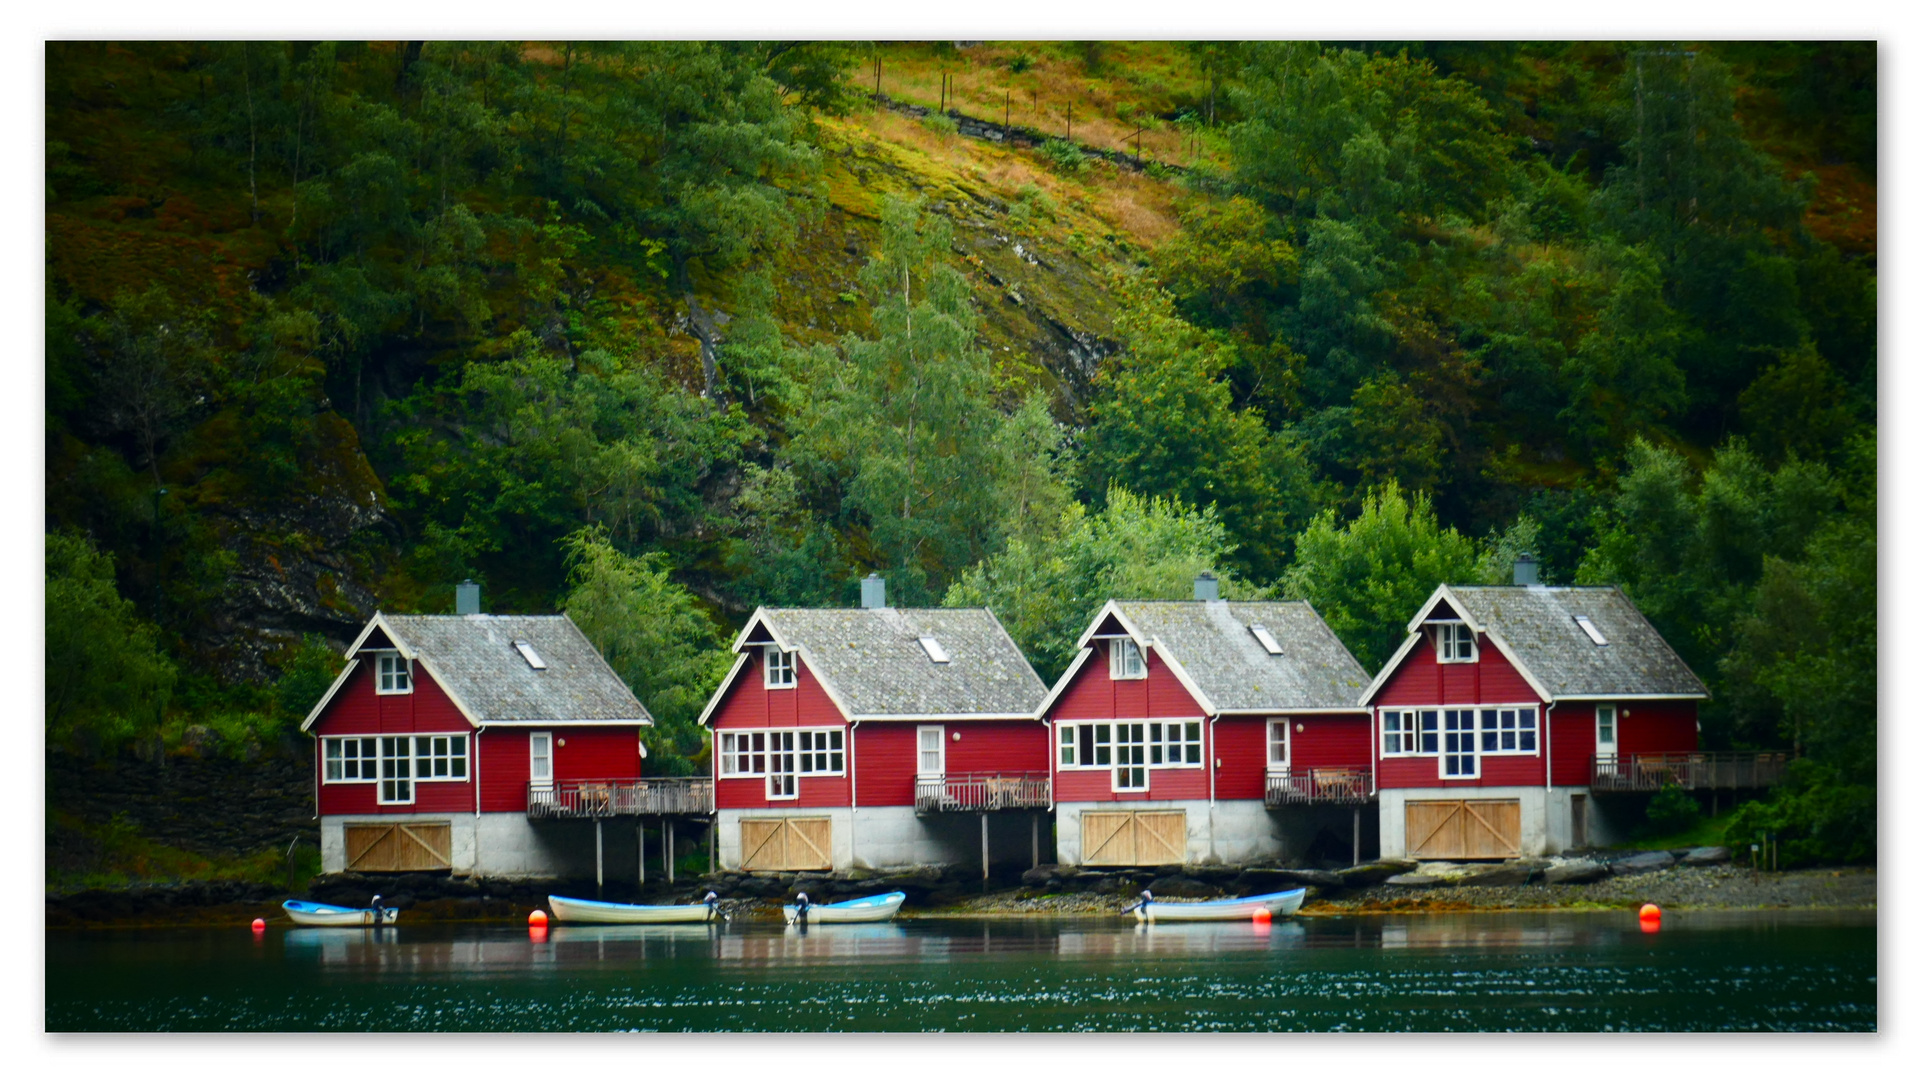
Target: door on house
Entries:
(1579, 821)
(795, 843)
(398, 847)
(1463, 828)
(1606, 741)
(1133, 838)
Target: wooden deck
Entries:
(1347, 785)
(691, 796)
(1694, 772)
(968, 792)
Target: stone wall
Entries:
(215, 807)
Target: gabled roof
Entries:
(871, 663)
(1210, 647)
(1537, 627)
(475, 659)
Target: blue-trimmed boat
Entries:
(878, 908)
(573, 910)
(308, 913)
(1277, 904)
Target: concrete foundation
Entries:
(1546, 817)
(506, 845)
(879, 837)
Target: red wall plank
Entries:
(1421, 679)
(1325, 742)
(1240, 744)
(1096, 696)
(1659, 727)
(886, 764)
(358, 709)
(750, 703)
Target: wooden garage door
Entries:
(1133, 838)
(1463, 829)
(399, 846)
(786, 843)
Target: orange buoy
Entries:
(536, 917)
(1262, 915)
(537, 933)
(1650, 911)
(259, 926)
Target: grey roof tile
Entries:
(1214, 643)
(873, 659)
(474, 656)
(1537, 623)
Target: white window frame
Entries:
(782, 749)
(1610, 723)
(1126, 660)
(920, 749)
(426, 754)
(1450, 638)
(1284, 765)
(1494, 726)
(393, 674)
(1130, 756)
(1066, 745)
(366, 759)
(743, 754)
(400, 774)
(824, 747)
(779, 667)
(1459, 741)
(1175, 737)
(1419, 726)
(1088, 743)
(535, 739)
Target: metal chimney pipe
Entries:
(466, 598)
(1206, 586)
(1526, 569)
(873, 591)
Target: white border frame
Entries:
(533, 781)
(919, 748)
(380, 659)
(326, 780)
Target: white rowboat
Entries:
(572, 910)
(1280, 903)
(866, 909)
(308, 913)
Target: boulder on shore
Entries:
(1373, 873)
(1648, 862)
(1265, 879)
(1412, 881)
(1574, 872)
(1516, 872)
(1706, 856)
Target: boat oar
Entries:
(1146, 897)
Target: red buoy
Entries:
(259, 926)
(1262, 915)
(536, 917)
(1650, 911)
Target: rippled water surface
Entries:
(1703, 971)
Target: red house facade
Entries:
(465, 742)
(1186, 732)
(1507, 706)
(875, 736)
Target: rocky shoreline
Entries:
(1692, 879)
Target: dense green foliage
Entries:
(528, 313)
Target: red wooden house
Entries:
(1201, 730)
(472, 742)
(1507, 706)
(875, 736)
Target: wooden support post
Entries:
(599, 855)
(1356, 832)
(984, 864)
(1070, 134)
(666, 823)
(1006, 118)
(713, 843)
(1036, 841)
(640, 844)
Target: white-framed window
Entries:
(779, 665)
(1457, 757)
(439, 757)
(823, 753)
(1409, 732)
(1454, 640)
(1086, 746)
(1130, 757)
(1174, 743)
(351, 761)
(743, 753)
(396, 770)
(395, 673)
(540, 759)
(1606, 731)
(932, 756)
(783, 774)
(1124, 660)
(1512, 730)
(1279, 745)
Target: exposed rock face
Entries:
(1645, 863)
(1517, 872)
(1413, 881)
(1574, 872)
(1706, 856)
(1264, 879)
(216, 806)
(1181, 886)
(1374, 873)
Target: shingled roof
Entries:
(475, 660)
(872, 663)
(1212, 646)
(1537, 627)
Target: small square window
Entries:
(779, 666)
(396, 674)
(1125, 660)
(1454, 642)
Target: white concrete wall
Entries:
(1546, 817)
(508, 845)
(879, 837)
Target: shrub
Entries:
(1818, 820)
(1672, 810)
(1020, 63)
(1065, 156)
(941, 123)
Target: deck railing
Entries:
(1347, 784)
(982, 791)
(1651, 772)
(615, 798)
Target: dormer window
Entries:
(1454, 642)
(779, 664)
(396, 673)
(1124, 660)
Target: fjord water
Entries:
(1597, 971)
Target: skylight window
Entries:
(532, 658)
(934, 652)
(1265, 639)
(1592, 630)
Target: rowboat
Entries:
(570, 909)
(1280, 903)
(308, 913)
(866, 909)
